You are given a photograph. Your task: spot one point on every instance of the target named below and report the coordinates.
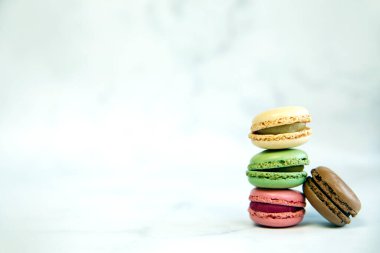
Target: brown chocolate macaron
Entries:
(330, 196)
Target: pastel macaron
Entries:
(331, 196)
(282, 127)
(276, 208)
(278, 169)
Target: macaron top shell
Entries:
(337, 190)
(280, 116)
(284, 197)
(270, 159)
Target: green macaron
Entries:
(278, 168)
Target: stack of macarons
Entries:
(279, 167)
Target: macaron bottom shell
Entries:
(277, 220)
(289, 140)
(276, 180)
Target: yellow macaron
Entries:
(282, 127)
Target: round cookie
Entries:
(278, 169)
(276, 208)
(331, 196)
(282, 127)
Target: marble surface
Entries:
(123, 124)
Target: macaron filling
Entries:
(298, 168)
(288, 128)
(272, 208)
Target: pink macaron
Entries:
(276, 208)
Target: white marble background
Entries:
(123, 124)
